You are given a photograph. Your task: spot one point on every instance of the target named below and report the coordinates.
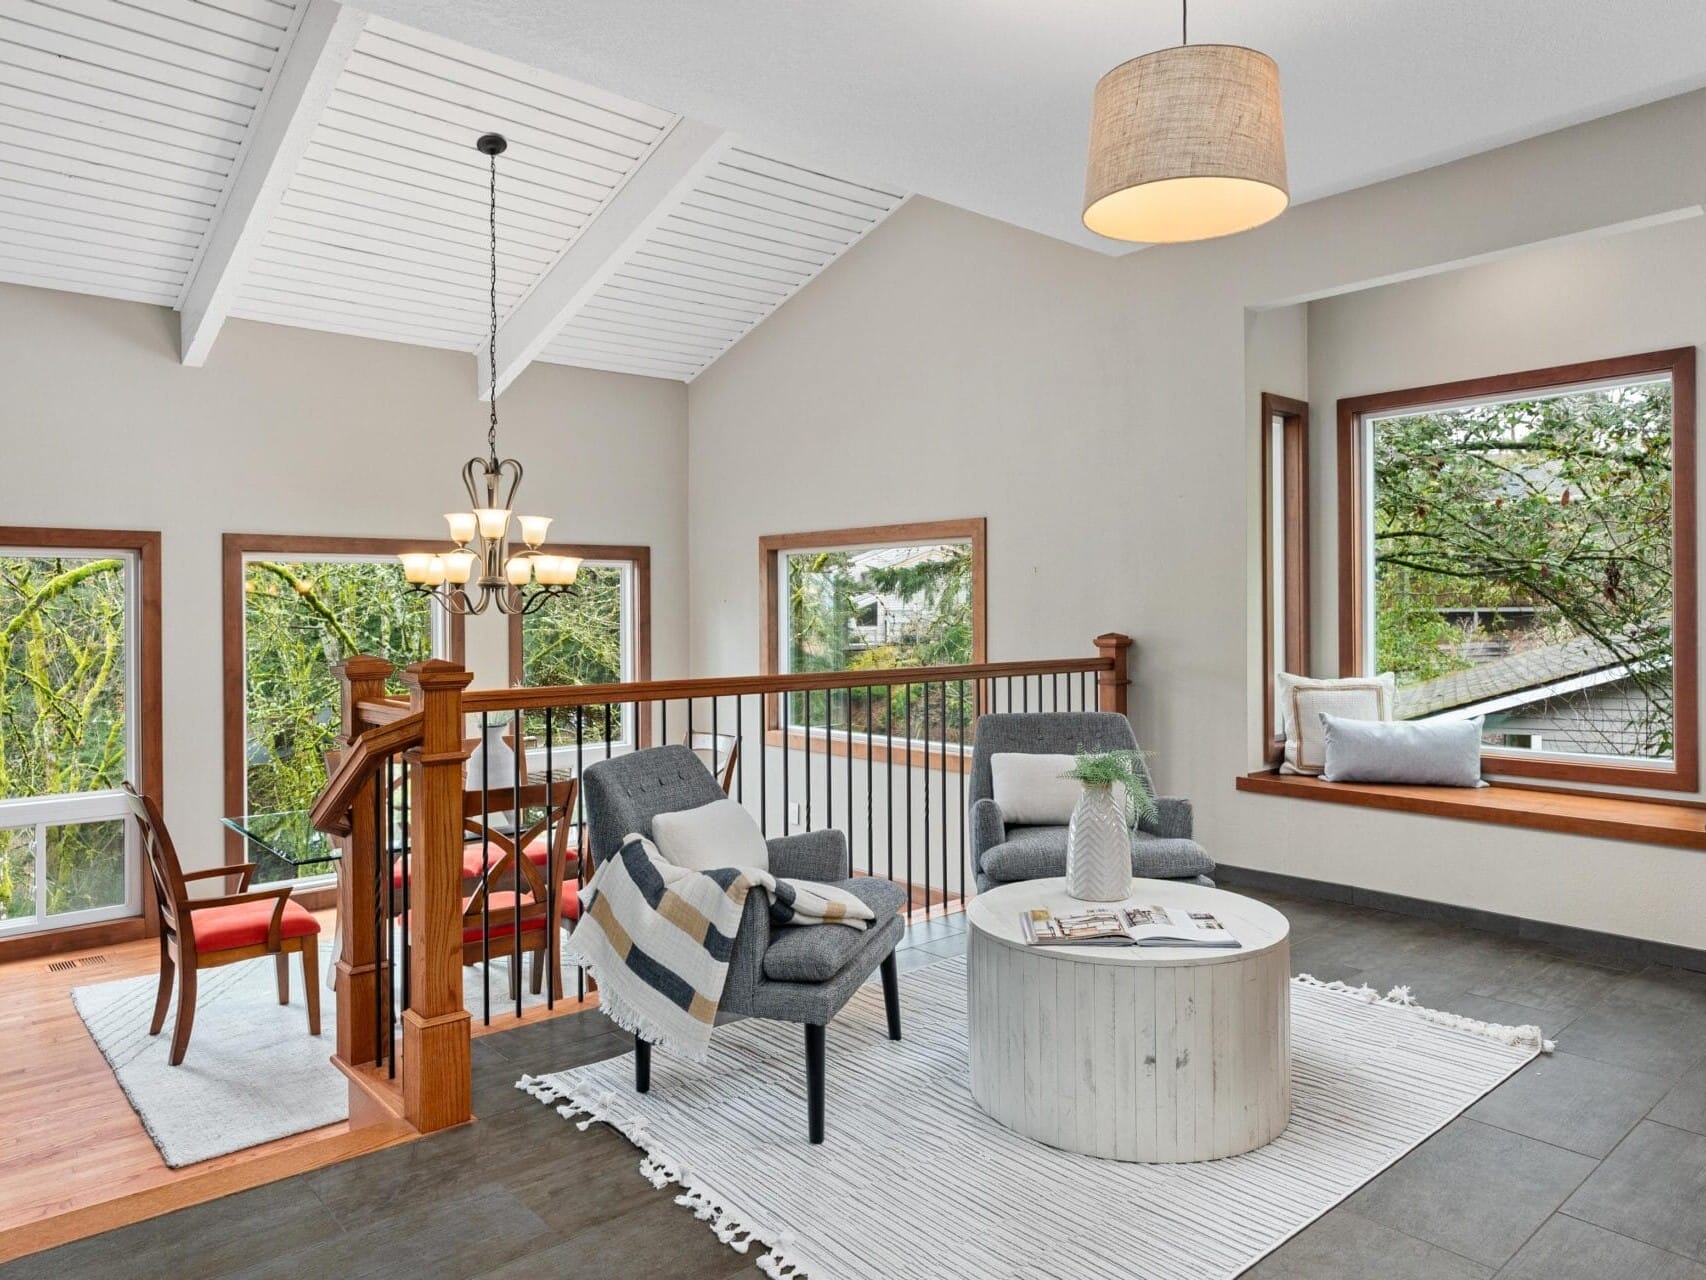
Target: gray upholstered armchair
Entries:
(1161, 848)
(794, 973)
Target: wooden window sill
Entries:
(1666, 822)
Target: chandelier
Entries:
(1186, 143)
(514, 579)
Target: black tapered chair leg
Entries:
(642, 1065)
(891, 995)
(814, 1080)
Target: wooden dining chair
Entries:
(492, 909)
(718, 752)
(203, 933)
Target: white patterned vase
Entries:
(1098, 848)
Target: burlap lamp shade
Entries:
(1186, 143)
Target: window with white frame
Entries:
(71, 707)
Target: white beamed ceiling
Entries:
(120, 127)
(752, 232)
(123, 123)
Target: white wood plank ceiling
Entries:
(120, 127)
(752, 233)
(124, 126)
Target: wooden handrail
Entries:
(581, 695)
(331, 812)
(383, 710)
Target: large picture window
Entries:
(79, 716)
(295, 607)
(1522, 549)
(598, 634)
(872, 598)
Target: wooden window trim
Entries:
(145, 546)
(235, 547)
(1683, 772)
(1675, 823)
(974, 530)
(1294, 415)
(641, 559)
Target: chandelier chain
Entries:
(492, 347)
(1184, 21)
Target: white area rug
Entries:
(252, 1073)
(916, 1183)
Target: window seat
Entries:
(1679, 824)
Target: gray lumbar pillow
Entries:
(1439, 754)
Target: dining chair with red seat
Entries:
(204, 933)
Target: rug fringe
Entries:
(1523, 1037)
(602, 1108)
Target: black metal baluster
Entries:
(553, 887)
(847, 695)
(1054, 692)
(829, 758)
(407, 838)
(963, 818)
(583, 841)
(907, 718)
(740, 742)
(1024, 694)
(870, 801)
(942, 776)
(787, 813)
(1009, 695)
(716, 752)
(485, 872)
(764, 764)
(926, 689)
(381, 926)
(663, 726)
(690, 727)
(807, 764)
(888, 767)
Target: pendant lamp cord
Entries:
(492, 349)
(1184, 21)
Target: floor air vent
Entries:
(84, 962)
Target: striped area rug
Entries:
(916, 1183)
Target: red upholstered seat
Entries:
(538, 853)
(499, 905)
(245, 924)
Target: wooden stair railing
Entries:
(426, 732)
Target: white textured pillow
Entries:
(1285, 681)
(1030, 790)
(1368, 698)
(719, 834)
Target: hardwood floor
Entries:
(80, 1142)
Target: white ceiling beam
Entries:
(649, 196)
(325, 38)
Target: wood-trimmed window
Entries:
(879, 581)
(600, 634)
(1530, 512)
(1285, 553)
(80, 631)
(317, 609)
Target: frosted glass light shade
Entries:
(435, 570)
(533, 529)
(459, 567)
(519, 571)
(415, 565)
(462, 525)
(494, 522)
(1186, 143)
(557, 571)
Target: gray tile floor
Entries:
(1589, 1164)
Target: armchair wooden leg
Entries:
(642, 1066)
(311, 976)
(164, 997)
(815, 1050)
(891, 995)
(281, 962)
(186, 1015)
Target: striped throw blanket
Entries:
(657, 938)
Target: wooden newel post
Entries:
(357, 975)
(436, 1066)
(1113, 682)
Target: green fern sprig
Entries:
(1105, 768)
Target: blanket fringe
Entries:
(1524, 1037)
(777, 1260)
(632, 1020)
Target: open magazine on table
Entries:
(1121, 925)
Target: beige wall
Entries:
(1100, 413)
(291, 431)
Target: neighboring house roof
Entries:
(1582, 659)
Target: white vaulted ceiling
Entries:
(120, 127)
(308, 164)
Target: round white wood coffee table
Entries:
(1151, 1054)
